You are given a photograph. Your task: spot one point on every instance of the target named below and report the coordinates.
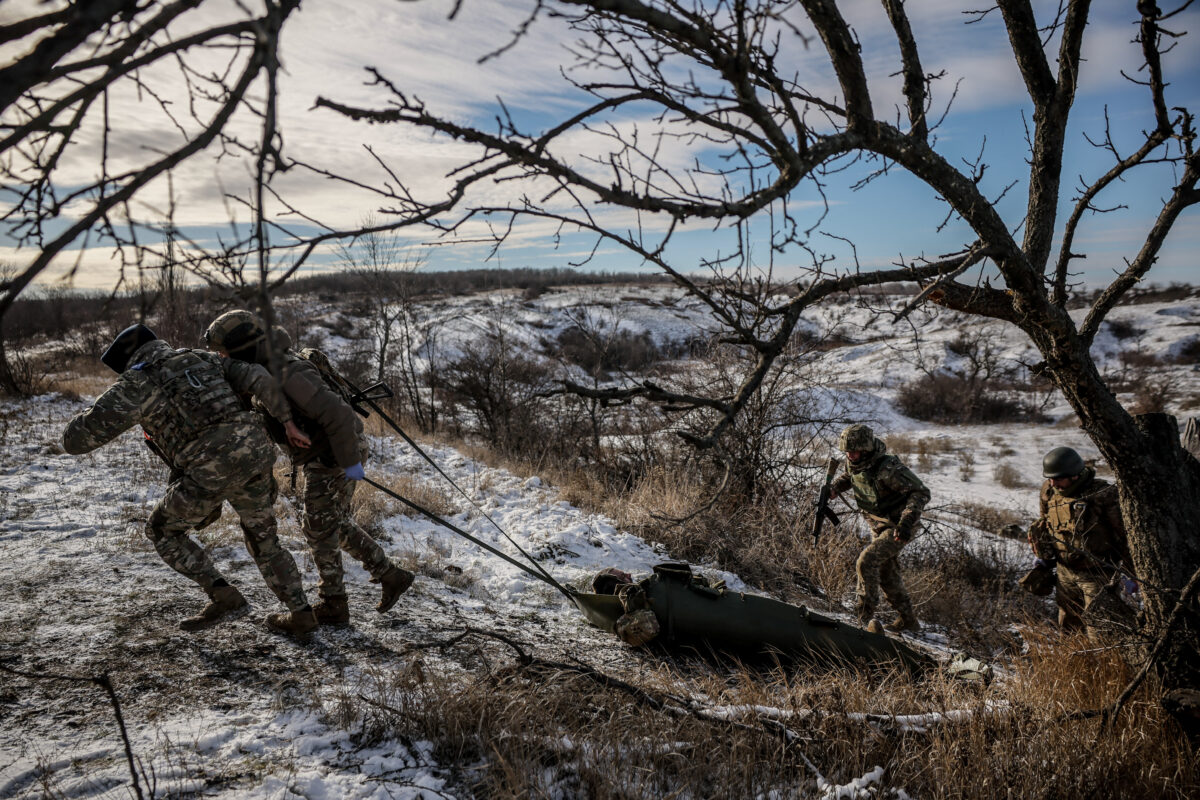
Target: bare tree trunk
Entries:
(1191, 437)
(1159, 485)
(1160, 500)
(8, 384)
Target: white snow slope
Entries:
(240, 712)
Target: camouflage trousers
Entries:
(1086, 601)
(330, 528)
(878, 568)
(186, 504)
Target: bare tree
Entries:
(712, 76)
(384, 269)
(75, 107)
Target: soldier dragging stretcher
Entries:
(892, 498)
(187, 402)
(332, 466)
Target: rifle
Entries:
(822, 511)
(176, 473)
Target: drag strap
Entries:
(541, 575)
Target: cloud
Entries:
(427, 55)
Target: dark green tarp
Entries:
(737, 623)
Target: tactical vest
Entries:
(192, 395)
(1076, 528)
(873, 498)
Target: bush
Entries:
(1009, 477)
(1123, 329)
(954, 399)
(623, 351)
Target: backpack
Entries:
(332, 379)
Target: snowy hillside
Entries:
(234, 712)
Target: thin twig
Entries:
(105, 683)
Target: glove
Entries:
(1130, 585)
(355, 473)
(903, 533)
(1042, 563)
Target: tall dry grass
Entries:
(522, 727)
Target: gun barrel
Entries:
(822, 508)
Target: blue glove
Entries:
(1042, 563)
(355, 473)
(1130, 585)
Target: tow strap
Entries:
(542, 575)
(368, 396)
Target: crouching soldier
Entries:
(331, 466)
(892, 498)
(1081, 533)
(187, 402)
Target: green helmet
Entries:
(1062, 462)
(856, 437)
(235, 330)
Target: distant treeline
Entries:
(50, 312)
(460, 282)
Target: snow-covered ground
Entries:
(237, 712)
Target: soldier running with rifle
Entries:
(892, 498)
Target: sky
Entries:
(328, 46)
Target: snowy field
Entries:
(235, 712)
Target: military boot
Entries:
(394, 582)
(332, 611)
(293, 623)
(904, 622)
(863, 613)
(225, 602)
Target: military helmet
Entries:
(856, 437)
(1062, 462)
(235, 330)
(128, 342)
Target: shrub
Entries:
(1154, 394)
(1009, 476)
(1122, 329)
(1188, 351)
(954, 399)
(986, 517)
(600, 353)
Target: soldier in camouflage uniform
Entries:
(1081, 533)
(332, 466)
(892, 498)
(187, 401)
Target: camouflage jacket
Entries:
(186, 400)
(885, 490)
(1081, 527)
(336, 431)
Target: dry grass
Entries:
(987, 517)
(80, 377)
(371, 507)
(529, 728)
(902, 443)
(1010, 477)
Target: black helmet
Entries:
(128, 342)
(1062, 462)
